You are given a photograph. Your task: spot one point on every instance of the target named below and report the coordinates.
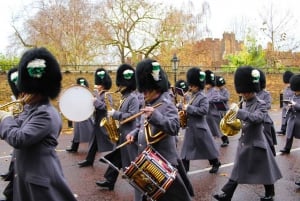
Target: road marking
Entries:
(229, 164)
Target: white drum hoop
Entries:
(76, 103)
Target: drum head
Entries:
(76, 103)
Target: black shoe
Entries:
(85, 163)
(280, 132)
(215, 168)
(224, 144)
(267, 198)
(4, 175)
(71, 150)
(222, 197)
(285, 151)
(105, 184)
(297, 183)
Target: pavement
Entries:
(82, 180)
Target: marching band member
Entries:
(12, 78)
(293, 110)
(82, 130)
(100, 140)
(213, 95)
(254, 161)
(129, 105)
(269, 129)
(198, 142)
(286, 95)
(224, 98)
(161, 126)
(33, 134)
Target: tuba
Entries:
(229, 124)
(109, 123)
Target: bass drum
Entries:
(76, 103)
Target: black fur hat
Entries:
(12, 78)
(246, 79)
(262, 79)
(287, 76)
(149, 75)
(182, 85)
(102, 78)
(295, 82)
(196, 77)
(126, 77)
(82, 81)
(220, 81)
(39, 73)
(210, 78)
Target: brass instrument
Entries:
(109, 123)
(17, 106)
(182, 116)
(229, 124)
(136, 115)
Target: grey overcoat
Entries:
(38, 172)
(198, 141)
(293, 122)
(254, 161)
(128, 107)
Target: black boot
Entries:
(106, 185)
(215, 166)
(225, 141)
(74, 147)
(222, 197)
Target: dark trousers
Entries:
(289, 143)
(111, 175)
(186, 163)
(231, 185)
(93, 148)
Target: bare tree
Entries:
(278, 28)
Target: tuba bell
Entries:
(229, 124)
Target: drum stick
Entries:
(123, 144)
(137, 115)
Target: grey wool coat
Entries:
(254, 161)
(128, 107)
(100, 133)
(83, 130)
(213, 116)
(198, 141)
(38, 172)
(293, 122)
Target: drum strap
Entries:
(152, 138)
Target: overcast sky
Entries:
(223, 13)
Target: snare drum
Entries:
(151, 173)
(76, 103)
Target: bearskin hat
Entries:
(210, 78)
(295, 82)
(126, 77)
(220, 81)
(102, 78)
(149, 75)
(12, 78)
(182, 85)
(246, 79)
(262, 79)
(196, 77)
(82, 81)
(287, 76)
(39, 72)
